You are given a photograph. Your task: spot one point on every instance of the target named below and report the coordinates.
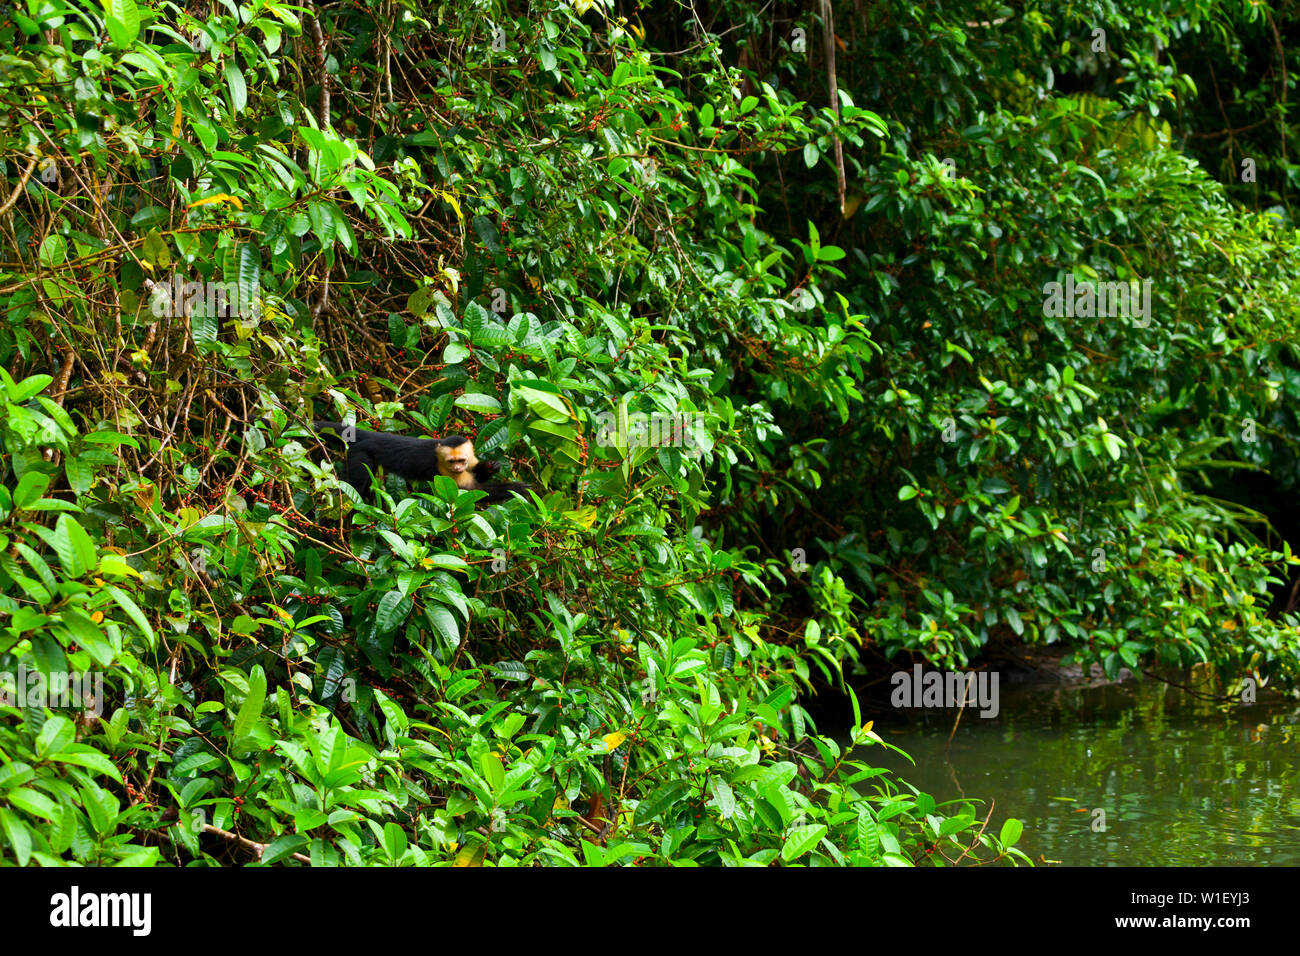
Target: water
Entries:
(1182, 782)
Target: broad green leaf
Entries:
(19, 836)
(250, 712)
(133, 612)
(235, 82)
(801, 840)
(444, 624)
(493, 770)
(57, 733)
(127, 16)
(658, 801)
(394, 608)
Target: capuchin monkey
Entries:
(418, 458)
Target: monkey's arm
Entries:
(357, 472)
(500, 491)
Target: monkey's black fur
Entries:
(412, 458)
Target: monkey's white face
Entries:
(456, 460)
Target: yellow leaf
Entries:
(452, 279)
(583, 516)
(144, 496)
(220, 197)
(471, 855)
(176, 121)
(454, 203)
(112, 565)
(614, 741)
(97, 616)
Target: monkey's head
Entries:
(456, 455)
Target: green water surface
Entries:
(1182, 782)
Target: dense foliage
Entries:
(775, 361)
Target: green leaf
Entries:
(394, 842)
(510, 670)
(125, 15)
(238, 89)
(31, 486)
(80, 473)
(20, 838)
(322, 223)
(250, 275)
(282, 846)
(658, 801)
(34, 802)
(133, 612)
(1011, 831)
(82, 549)
(250, 712)
(53, 251)
(723, 798)
(868, 834)
(545, 405)
(394, 608)
(444, 624)
(801, 840)
(478, 402)
(1013, 618)
(90, 758)
(487, 231)
(20, 392)
(57, 733)
(493, 771)
(101, 807)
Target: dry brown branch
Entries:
(828, 45)
(25, 175)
